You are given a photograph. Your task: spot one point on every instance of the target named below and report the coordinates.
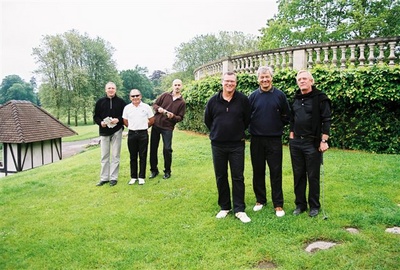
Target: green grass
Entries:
(54, 217)
(84, 132)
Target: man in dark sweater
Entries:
(169, 109)
(108, 115)
(227, 116)
(270, 112)
(309, 132)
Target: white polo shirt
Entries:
(138, 117)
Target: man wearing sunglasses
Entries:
(138, 117)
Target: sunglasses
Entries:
(135, 95)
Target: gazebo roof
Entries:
(24, 122)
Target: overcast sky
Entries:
(143, 32)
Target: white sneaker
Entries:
(141, 181)
(243, 217)
(279, 212)
(222, 214)
(258, 207)
(133, 181)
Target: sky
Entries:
(142, 32)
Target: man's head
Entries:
(135, 96)
(177, 86)
(111, 89)
(265, 75)
(305, 81)
(229, 82)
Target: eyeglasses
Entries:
(135, 95)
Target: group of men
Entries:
(111, 113)
(265, 113)
(228, 114)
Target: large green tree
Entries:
(206, 48)
(301, 22)
(74, 69)
(14, 88)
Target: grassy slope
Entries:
(54, 217)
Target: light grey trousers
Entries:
(110, 156)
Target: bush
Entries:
(366, 104)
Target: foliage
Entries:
(366, 104)
(206, 48)
(14, 88)
(54, 217)
(136, 79)
(300, 22)
(74, 69)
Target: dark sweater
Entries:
(311, 115)
(270, 112)
(227, 121)
(112, 107)
(177, 107)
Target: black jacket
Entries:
(227, 121)
(112, 107)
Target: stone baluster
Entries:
(334, 56)
(277, 61)
(318, 53)
(381, 55)
(271, 59)
(290, 59)
(362, 56)
(283, 59)
(310, 60)
(392, 56)
(260, 60)
(371, 56)
(343, 58)
(251, 67)
(352, 55)
(326, 55)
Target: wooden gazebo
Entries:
(30, 136)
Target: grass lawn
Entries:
(54, 217)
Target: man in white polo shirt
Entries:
(138, 117)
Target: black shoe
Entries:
(153, 174)
(113, 183)
(314, 212)
(166, 175)
(99, 184)
(298, 211)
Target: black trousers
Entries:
(166, 134)
(234, 156)
(306, 164)
(267, 150)
(137, 144)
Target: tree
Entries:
(74, 70)
(136, 79)
(301, 22)
(206, 48)
(14, 88)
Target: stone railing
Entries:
(341, 54)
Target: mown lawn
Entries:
(54, 217)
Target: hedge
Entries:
(366, 104)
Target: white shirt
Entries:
(138, 117)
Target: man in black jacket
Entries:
(309, 133)
(108, 115)
(227, 116)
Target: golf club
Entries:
(324, 217)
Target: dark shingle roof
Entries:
(24, 122)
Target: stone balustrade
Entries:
(340, 54)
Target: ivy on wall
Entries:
(366, 104)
